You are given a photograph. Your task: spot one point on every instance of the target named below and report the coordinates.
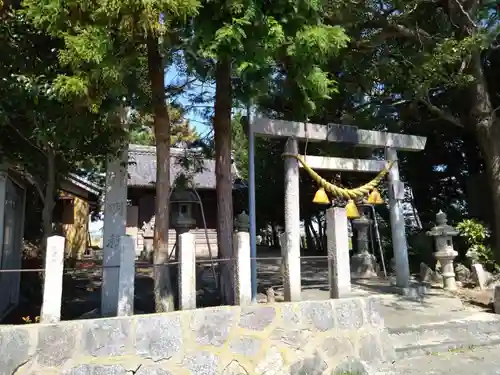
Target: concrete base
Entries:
(415, 291)
(364, 266)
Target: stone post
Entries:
(115, 221)
(478, 273)
(241, 243)
(496, 300)
(291, 250)
(3, 191)
(53, 280)
(445, 254)
(363, 264)
(181, 203)
(399, 245)
(186, 243)
(339, 275)
(126, 278)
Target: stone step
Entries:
(469, 361)
(479, 329)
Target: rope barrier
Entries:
(140, 265)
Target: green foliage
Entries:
(473, 231)
(240, 145)
(476, 236)
(317, 42)
(104, 44)
(439, 65)
(141, 128)
(269, 47)
(34, 119)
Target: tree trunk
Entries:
(490, 145)
(316, 238)
(320, 227)
(164, 300)
(222, 127)
(487, 129)
(49, 197)
(309, 236)
(275, 241)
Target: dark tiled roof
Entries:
(84, 183)
(142, 168)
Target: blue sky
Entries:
(174, 76)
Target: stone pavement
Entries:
(472, 361)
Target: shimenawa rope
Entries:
(338, 191)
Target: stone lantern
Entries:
(443, 238)
(242, 223)
(181, 203)
(363, 263)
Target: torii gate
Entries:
(295, 131)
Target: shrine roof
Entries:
(142, 167)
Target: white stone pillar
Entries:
(53, 280)
(291, 253)
(126, 277)
(115, 219)
(186, 245)
(399, 243)
(337, 237)
(243, 276)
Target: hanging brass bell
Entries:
(321, 197)
(351, 210)
(375, 198)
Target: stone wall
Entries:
(332, 337)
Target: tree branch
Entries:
(404, 31)
(465, 13)
(18, 132)
(177, 89)
(445, 115)
(31, 179)
(391, 30)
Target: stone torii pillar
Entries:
(399, 244)
(290, 252)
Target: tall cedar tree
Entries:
(241, 45)
(121, 48)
